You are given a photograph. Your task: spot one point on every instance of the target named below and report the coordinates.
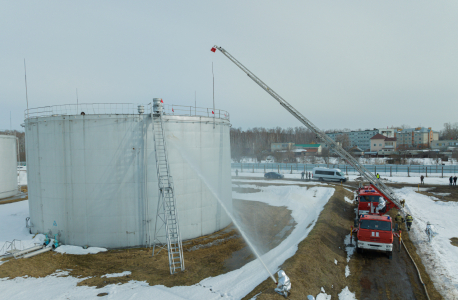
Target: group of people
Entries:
(306, 174)
(452, 180)
(399, 220)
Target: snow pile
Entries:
(12, 226)
(346, 294)
(348, 200)
(77, 250)
(260, 178)
(440, 257)
(125, 273)
(323, 295)
(347, 271)
(350, 250)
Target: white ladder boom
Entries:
(366, 174)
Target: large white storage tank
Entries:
(8, 166)
(92, 178)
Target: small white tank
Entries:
(8, 166)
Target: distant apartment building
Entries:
(362, 138)
(281, 146)
(419, 137)
(444, 144)
(383, 145)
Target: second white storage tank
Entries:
(8, 166)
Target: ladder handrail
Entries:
(388, 192)
(166, 209)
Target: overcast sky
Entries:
(343, 64)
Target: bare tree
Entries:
(325, 153)
(344, 140)
(450, 131)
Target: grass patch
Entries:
(199, 264)
(454, 241)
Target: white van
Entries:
(323, 174)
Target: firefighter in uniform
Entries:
(398, 221)
(409, 220)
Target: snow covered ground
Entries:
(396, 178)
(440, 257)
(305, 203)
(12, 226)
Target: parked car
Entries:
(274, 175)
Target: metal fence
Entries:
(382, 169)
(120, 109)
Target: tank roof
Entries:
(121, 109)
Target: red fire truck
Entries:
(374, 232)
(368, 199)
(373, 229)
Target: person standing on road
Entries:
(399, 221)
(409, 220)
(237, 172)
(454, 180)
(451, 180)
(422, 178)
(302, 175)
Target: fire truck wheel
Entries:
(358, 250)
(390, 254)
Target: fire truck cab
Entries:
(374, 232)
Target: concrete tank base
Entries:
(92, 179)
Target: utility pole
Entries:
(213, 97)
(26, 96)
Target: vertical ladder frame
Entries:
(167, 214)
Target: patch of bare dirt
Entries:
(454, 241)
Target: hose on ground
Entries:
(418, 271)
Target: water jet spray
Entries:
(199, 173)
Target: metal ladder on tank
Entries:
(167, 216)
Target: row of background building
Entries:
(381, 141)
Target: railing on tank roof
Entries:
(180, 110)
(120, 109)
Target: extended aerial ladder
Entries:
(384, 190)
